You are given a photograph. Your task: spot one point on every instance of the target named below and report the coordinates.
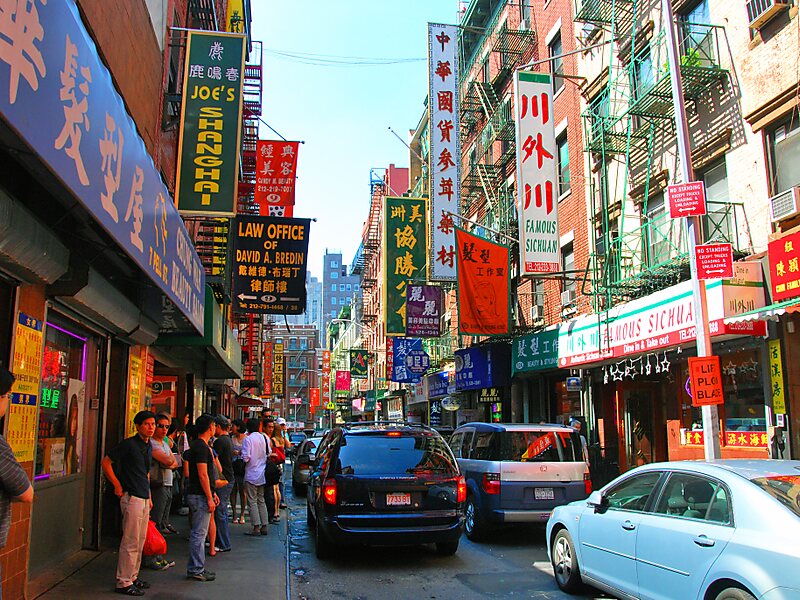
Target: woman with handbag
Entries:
(279, 458)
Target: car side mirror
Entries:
(597, 501)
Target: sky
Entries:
(343, 111)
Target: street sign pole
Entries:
(710, 414)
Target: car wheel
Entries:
(474, 526)
(735, 593)
(447, 548)
(565, 563)
(323, 546)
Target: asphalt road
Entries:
(512, 564)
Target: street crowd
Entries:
(204, 469)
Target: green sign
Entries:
(359, 364)
(535, 352)
(211, 124)
(406, 255)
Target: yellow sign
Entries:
(330, 406)
(27, 368)
(135, 388)
(776, 377)
(235, 22)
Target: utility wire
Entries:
(330, 60)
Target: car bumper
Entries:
(521, 516)
(781, 593)
(349, 531)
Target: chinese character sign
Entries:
(445, 148)
(784, 266)
(276, 168)
(26, 366)
(342, 381)
(402, 348)
(359, 364)
(57, 94)
(313, 397)
(537, 174)
(405, 253)
(325, 383)
(423, 310)
(211, 124)
(266, 388)
(277, 370)
(484, 305)
(776, 377)
(535, 352)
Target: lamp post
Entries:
(372, 332)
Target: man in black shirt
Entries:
(127, 468)
(223, 445)
(200, 497)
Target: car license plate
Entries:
(398, 499)
(543, 494)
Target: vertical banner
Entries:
(27, 368)
(484, 306)
(342, 381)
(276, 169)
(313, 397)
(266, 386)
(402, 349)
(423, 310)
(405, 253)
(277, 370)
(445, 148)
(359, 364)
(235, 17)
(776, 377)
(325, 384)
(211, 124)
(135, 387)
(537, 174)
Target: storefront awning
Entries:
(767, 313)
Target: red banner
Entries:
(313, 397)
(342, 381)
(325, 384)
(784, 266)
(266, 388)
(484, 306)
(276, 169)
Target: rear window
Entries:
(537, 446)
(784, 488)
(395, 455)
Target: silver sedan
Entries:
(303, 457)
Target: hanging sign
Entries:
(535, 352)
(277, 370)
(342, 381)
(325, 383)
(537, 174)
(359, 363)
(706, 375)
(405, 253)
(686, 199)
(444, 149)
(776, 377)
(484, 306)
(269, 272)
(418, 361)
(784, 266)
(135, 387)
(714, 261)
(423, 310)
(276, 169)
(211, 124)
(402, 348)
(266, 388)
(26, 367)
(313, 397)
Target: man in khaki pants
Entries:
(127, 468)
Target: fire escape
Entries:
(372, 250)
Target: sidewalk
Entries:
(255, 568)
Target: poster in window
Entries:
(73, 449)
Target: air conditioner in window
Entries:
(537, 312)
(760, 12)
(785, 205)
(567, 297)
(524, 25)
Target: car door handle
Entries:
(628, 526)
(705, 542)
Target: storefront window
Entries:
(61, 404)
(744, 392)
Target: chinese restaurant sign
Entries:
(402, 349)
(423, 310)
(269, 272)
(535, 352)
(325, 383)
(277, 370)
(266, 387)
(784, 266)
(276, 168)
(211, 124)
(26, 367)
(445, 148)
(359, 364)
(776, 377)
(483, 286)
(537, 174)
(405, 255)
(61, 100)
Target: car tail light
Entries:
(329, 491)
(587, 483)
(491, 483)
(393, 434)
(461, 495)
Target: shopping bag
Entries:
(154, 542)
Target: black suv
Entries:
(385, 483)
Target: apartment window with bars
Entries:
(657, 230)
(717, 223)
(563, 164)
(556, 49)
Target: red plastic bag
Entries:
(154, 542)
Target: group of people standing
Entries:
(219, 461)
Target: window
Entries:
(349, 287)
(347, 301)
(784, 141)
(693, 497)
(333, 314)
(644, 76)
(717, 222)
(485, 72)
(461, 443)
(334, 275)
(525, 10)
(292, 343)
(783, 488)
(598, 111)
(333, 301)
(355, 287)
(568, 266)
(333, 287)
(538, 446)
(334, 264)
(657, 230)
(563, 163)
(341, 287)
(304, 345)
(556, 49)
(633, 492)
(383, 455)
(697, 36)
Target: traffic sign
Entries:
(331, 406)
(714, 261)
(418, 361)
(706, 375)
(295, 400)
(687, 199)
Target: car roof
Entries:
(368, 428)
(517, 426)
(747, 468)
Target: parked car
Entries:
(517, 473)
(385, 484)
(304, 456)
(296, 438)
(720, 530)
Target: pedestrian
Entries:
(161, 480)
(238, 491)
(200, 497)
(177, 454)
(278, 448)
(223, 446)
(255, 450)
(127, 469)
(14, 483)
(285, 444)
(272, 491)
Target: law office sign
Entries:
(211, 124)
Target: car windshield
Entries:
(365, 455)
(297, 437)
(784, 488)
(539, 446)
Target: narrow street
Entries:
(513, 564)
